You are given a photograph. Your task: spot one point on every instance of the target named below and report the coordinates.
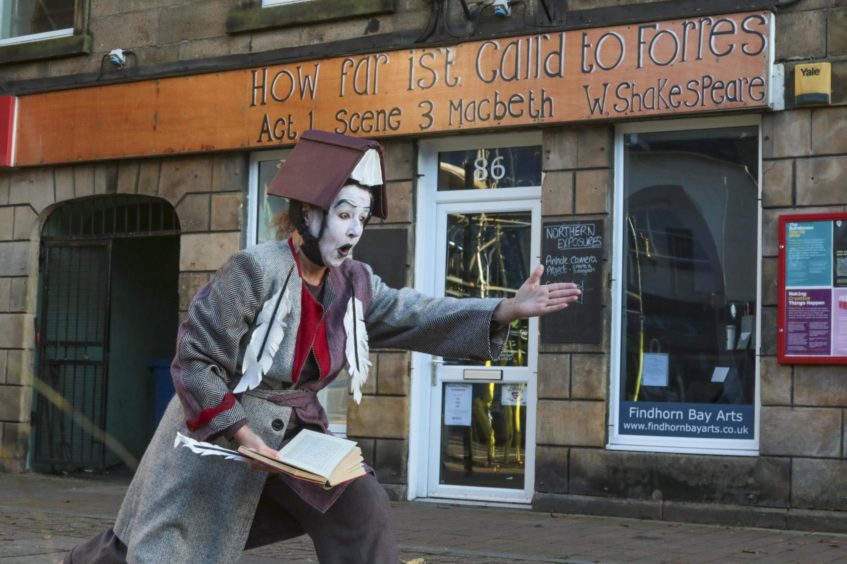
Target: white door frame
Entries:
(426, 246)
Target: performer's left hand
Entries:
(534, 299)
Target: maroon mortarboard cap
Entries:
(322, 163)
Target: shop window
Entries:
(39, 29)
(685, 376)
(261, 227)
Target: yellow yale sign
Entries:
(812, 84)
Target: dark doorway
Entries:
(108, 306)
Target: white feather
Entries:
(207, 449)
(357, 353)
(256, 361)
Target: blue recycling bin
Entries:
(162, 384)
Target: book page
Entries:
(315, 452)
(368, 171)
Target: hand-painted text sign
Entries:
(689, 65)
(573, 251)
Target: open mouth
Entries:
(344, 250)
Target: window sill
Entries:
(46, 49)
(256, 18)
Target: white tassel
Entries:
(265, 341)
(207, 449)
(357, 353)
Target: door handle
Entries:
(436, 362)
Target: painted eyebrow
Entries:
(351, 204)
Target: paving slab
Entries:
(42, 517)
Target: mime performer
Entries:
(275, 325)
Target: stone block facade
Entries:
(572, 379)
(379, 416)
(33, 194)
(803, 408)
(742, 481)
(800, 431)
(802, 414)
(554, 376)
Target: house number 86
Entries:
(482, 173)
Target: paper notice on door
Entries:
(513, 394)
(655, 372)
(457, 404)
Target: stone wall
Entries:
(207, 192)
(803, 406)
(803, 439)
(804, 168)
(573, 379)
(803, 447)
(161, 32)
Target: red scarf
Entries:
(311, 334)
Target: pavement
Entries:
(42, 517)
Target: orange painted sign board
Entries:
(685, 66)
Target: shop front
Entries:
(649, 162)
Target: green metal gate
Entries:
(74, 322)
(73, 354)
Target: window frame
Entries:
(65, 42)
(257, 15)
(41, 36)
(251, 237)
(683, 445)
(272, 3)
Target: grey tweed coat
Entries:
(182, 507)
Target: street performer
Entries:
(275, 325)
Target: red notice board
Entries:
(7, 129)
(812, 322)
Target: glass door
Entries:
(472, 428)
(482, 424)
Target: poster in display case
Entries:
(812, 320)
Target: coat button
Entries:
(277, 424)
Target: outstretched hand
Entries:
(534, 299)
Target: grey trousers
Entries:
(355, 530)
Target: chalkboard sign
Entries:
(572, 251)
(385, 250)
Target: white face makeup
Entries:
(345, 222)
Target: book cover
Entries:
(322, 162)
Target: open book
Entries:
(315, 457)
